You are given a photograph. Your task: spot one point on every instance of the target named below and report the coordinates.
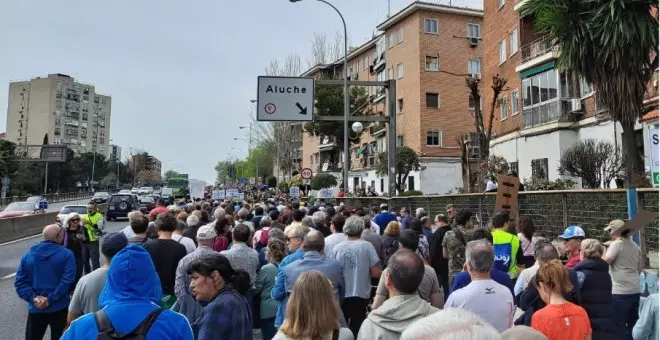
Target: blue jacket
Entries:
(646, 327)
(405, 222)
(48, 269)
(384, 218)
(132, 291)
(227, 317)
(463, 279)
(278, 293)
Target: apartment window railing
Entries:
(537, 48)
(558, 110)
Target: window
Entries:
(474, 31)
(513, 166)
(382, 185)
(365, 63)
(400, 105)
(500, 3)
(390, 40)
(390, 73)
(502, 51)
(432, 64)
(399, 35)
(411, 183)
(474, 67)
(432, 100)
(399, 71)
(433, 138)
(513, 40)
(84, 116)
(585, 88)
(503, 109)
(431, 26)
(399, 140)
(515, 102)
(540, 168)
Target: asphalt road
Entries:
(13, 313)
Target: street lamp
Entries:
(346, 104)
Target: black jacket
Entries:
(530, 301)
(438, 262)
(595, 287)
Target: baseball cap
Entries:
(113, 243)
(383, 205)
(572, 232)
(206, 232)
(614, 225)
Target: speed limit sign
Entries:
(306, 173)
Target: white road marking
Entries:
(20, 240)
(8, 276)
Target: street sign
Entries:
(507, 195)
(655, 158)
(306, 181)
(285, 99)
(306, 173)
(294, 191)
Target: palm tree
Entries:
(613, 44)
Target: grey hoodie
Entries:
(393, 317)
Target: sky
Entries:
(181, 73)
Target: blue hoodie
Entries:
(132, 291)
(47, 270)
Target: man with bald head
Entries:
(314, 260)
(43, 279)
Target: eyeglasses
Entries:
(288, 239)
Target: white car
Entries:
(80, 209)
(124, 192)
(144, 191)
(135, 191)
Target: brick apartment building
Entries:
(541, 114)
(416, 46)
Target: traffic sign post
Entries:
(306, 173)
(654, 140)
(285, 99)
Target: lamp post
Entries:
(346, 103)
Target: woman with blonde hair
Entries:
(559, 319)
(313, 311)
(390, 240)
(182, 216)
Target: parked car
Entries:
(145, 191)
(155, 197)
(120, 206)
(124, 192)
(147, 204)
(67, 209)
(135, 190)
(17, 209)
(167, 195)
(37, 199)
(100, 197)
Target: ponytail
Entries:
(241, 281)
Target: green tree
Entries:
(224, 171)
(171, 174)
(613, 44)
(407, 160)
(322, 181)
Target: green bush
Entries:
(322, 181)
(284, 185)
(412, 193)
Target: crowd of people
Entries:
(220, 270)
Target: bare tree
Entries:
(484, 130)
(325, 51)
(593, 161)
(292, 66)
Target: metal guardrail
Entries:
(537, 48)
(51, 198)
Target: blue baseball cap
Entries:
(573, 232)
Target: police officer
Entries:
(93, 222)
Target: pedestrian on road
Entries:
(573, 236)
(275, 252)
(313, 311)
(161, 208)
(128, 231)
(452, 323)
(227, 314)
(390, 240)
(240, 255)
(192, 225)
(93, 222)
(177, 235)
(337, 236)
(139, 226)
(85, 297)
(406, 218)
(438, 261)
(43, 279)
(166, 254)
(74, 241)
(384, 218)
(131, 295)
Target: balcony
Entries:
(559, 110)
(519, 5)
(537, 52)
(327, 144)
(378, 129)
(378, 63)
(71, 122)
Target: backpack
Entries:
(107, 331)
(263, 237)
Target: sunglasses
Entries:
(290, 238)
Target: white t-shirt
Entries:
(490, 300)
(185, 241)
(624, 270)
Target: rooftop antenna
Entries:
(389, 5)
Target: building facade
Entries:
(428, 49)
(144, 161)
(541, 108)
(68, 112)
(115, 153)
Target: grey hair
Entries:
(545, 251)
(219, 213)
(133, 214)
(276, 233)
(307, 221)
(592, 248)
(319, 217)
(479, 255)
(266, 221)
(420, 212)
(192, 220)
(451, 324)
(299, 231)
(180, 225)
(243, 213)
(354, 226)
